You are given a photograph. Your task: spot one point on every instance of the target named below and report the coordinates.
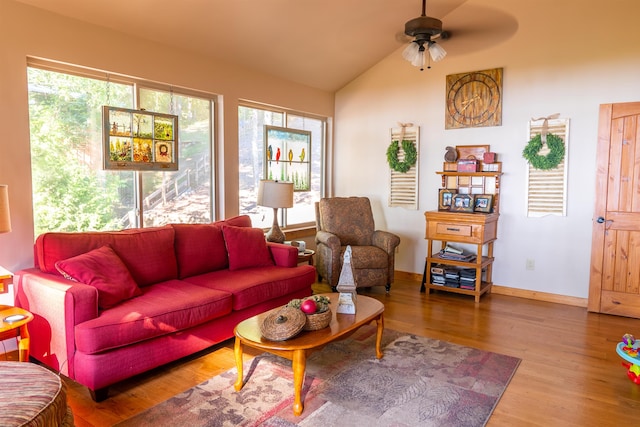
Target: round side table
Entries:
(13, 324)
(306, 256)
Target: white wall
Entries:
(567, 57)
(29, 32)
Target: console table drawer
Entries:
(453, 229)
(460, 227)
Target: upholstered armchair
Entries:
(342, 221)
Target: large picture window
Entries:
(253, 120)
(71, 189)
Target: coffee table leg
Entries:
(23, 344)
(380, 322)
(299, 363)
(237, 350)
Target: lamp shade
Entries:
(275, 194)
(5, 218)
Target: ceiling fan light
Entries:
(414, 53)
(418, 61)
(410, 52)
(436, 51)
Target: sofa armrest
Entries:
(283, 255)
(385, 241)
(58, 305)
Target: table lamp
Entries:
(275, 194)
(6, 277)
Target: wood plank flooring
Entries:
(570, 374)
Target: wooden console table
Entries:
(479, 229)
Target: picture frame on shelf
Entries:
(483, 203)
(463, 203)
(445, 199)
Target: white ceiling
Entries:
(320, 43)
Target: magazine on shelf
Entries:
(464, 257)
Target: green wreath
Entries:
(410, 156)
(552, 159)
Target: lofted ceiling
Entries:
(319, 43)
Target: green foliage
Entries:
(410, 156)
(70, 192)
(552, 159)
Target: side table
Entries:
(6, 278)
(13, 324)
(306, 256)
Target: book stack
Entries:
(452, 277)
(437, 275)
(455, 254)
(441, 276)
(468, 278)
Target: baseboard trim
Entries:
(514, 292)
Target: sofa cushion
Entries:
(200, 248)
(148, 253)
(104, 270)
(162, 309)
(252, 286)
(246, 247)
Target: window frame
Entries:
(323, 170)
(137, 85)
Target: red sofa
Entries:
(111, 305)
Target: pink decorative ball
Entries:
(308, 306)
(628, 340)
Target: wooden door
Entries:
(614, 286)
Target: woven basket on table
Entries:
(282, 324)
(317, 320)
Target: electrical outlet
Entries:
(531, 264)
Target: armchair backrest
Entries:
(349, 218)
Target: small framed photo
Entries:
(445, 199)
(483, 203)
(463, 203)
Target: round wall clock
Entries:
(474, 99)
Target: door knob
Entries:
(600, 220)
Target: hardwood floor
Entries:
(570, 373)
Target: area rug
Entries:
(418, 382)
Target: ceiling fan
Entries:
(425, 30)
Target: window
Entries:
(72, 192)
(252, 120)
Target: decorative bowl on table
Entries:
(320, 317)
(317, 321)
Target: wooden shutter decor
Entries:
(404, 186)
(547, 189)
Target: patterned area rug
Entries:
(418, 382)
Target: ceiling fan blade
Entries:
(472, 28)
(401, 37)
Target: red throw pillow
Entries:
(247, 247)
(103, 269)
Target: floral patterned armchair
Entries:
(342, 221)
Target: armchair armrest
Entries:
(329, 239)
(58, 305)
(385, 241)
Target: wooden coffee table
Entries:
(302, 345)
